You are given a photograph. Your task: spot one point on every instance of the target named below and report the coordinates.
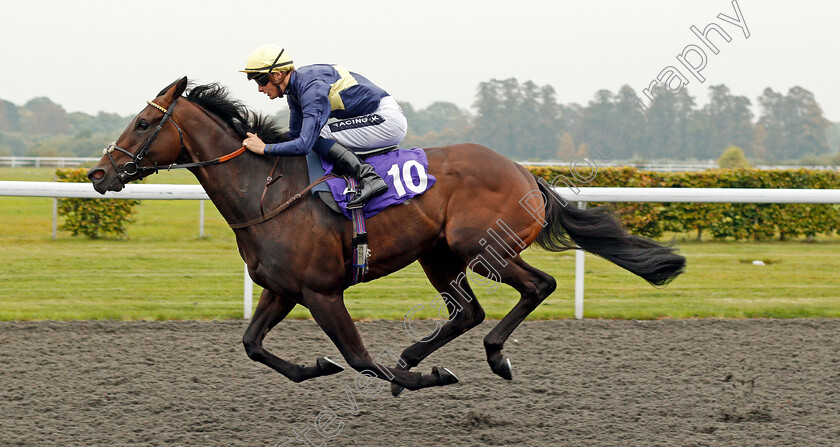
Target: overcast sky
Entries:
(112, 56)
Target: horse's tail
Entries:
(599, 232)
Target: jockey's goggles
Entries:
(259, 78)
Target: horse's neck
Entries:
(236, 186)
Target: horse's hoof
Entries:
(396, 390)
(502, 368)
(327, 366)
(445, 376)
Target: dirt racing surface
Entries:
(576, 383)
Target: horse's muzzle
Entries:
(102, 182)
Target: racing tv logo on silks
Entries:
(355, 123)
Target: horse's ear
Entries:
(179, 84)
(180, 87)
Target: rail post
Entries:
(248, 295)
(201, 219)
(580, 257)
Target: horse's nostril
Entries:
(96, 174)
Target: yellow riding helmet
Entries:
(267, 59)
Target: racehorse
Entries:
(481, 213)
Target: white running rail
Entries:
(582, 195)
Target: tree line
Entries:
(525, 121)
(42, 128)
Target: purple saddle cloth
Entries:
(404, 170)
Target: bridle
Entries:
(132, 167)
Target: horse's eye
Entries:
(142, 125)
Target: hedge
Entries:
(93, 217)
(721, 220)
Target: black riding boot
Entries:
(370, 183)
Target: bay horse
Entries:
(303, 255)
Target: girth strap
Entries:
(361, 252)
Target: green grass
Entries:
(163, 270)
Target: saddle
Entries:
(405, 171)
(316, 171)
(322, 191)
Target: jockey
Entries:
(367, 117)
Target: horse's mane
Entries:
(216, 99)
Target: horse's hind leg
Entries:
(271, 310)
(331, 314)
(445, 270)
(534, 286)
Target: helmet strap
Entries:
(282, 91)
(271, 69)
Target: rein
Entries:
(282, 207)
(132, 167)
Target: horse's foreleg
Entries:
(331, 314)
(446, 271)
(271, 310)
